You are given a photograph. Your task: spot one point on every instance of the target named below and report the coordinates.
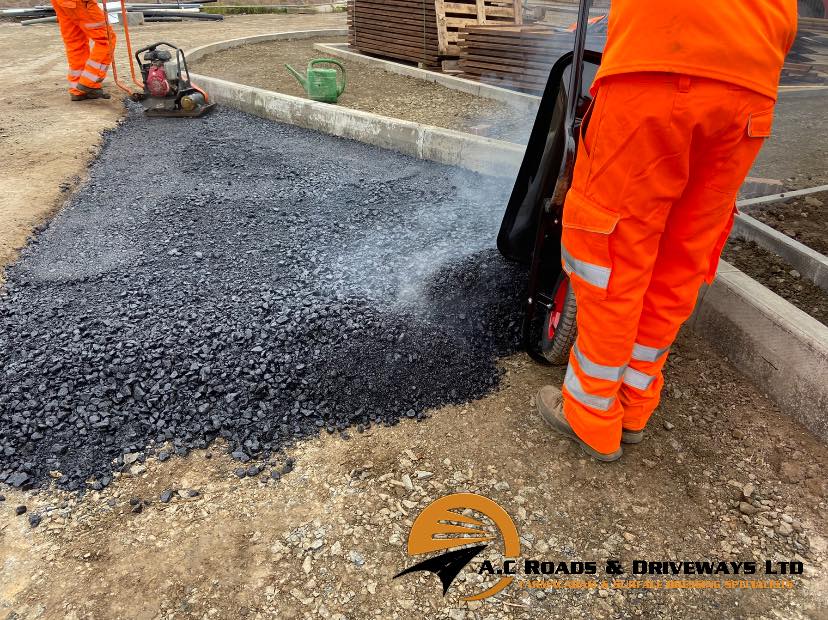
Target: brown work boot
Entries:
(632, 437)
(550, 407)
(90, 93)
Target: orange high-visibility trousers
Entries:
(83, 23)
(650, 208)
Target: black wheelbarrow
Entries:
(531, 228)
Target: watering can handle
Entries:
(339, 88)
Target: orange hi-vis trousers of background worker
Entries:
(82, 22)
(644, 223)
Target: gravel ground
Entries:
(779, 276)
(370, 89)
(721, 475)
(261, 292)
(804, 218)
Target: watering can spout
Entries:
(299, 77)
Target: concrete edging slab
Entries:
(446, 146)
(782, 349)
(199, 52)
(781, 197)
(484, 155)
(810, 263)
(520, 101)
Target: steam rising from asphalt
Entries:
(391, 266)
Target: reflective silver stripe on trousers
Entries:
(637, 379)
(94, 25)
(573, 386)
(74, 72)
(595, 370)
(594, 274)
(644, 353)
(96, 65)
(73, 84)
(92, 77)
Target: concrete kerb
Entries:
(748, 203)
(782, 349)
(484, 155)
(199, 52)
(809, 263)
(519, 101)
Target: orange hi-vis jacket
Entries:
(742, 42)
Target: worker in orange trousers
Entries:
(683, 101)
(89, 43)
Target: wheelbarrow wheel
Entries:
(559, 327)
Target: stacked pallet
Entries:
(453, 17)
(516, 57)
(422, 31)
(402, 29)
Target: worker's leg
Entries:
(696, 231)
(93, 24)
(632, 166)
(74, 40)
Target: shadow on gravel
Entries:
(233, 277)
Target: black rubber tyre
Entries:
(559, 327)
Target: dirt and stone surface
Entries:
(317, 528)
(715, 478)
(779, 276)
(369, 89)
(804, 218)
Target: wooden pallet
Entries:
(452, 17)
(399, 29)
(516, 57)
(422, 31)
(520, 56)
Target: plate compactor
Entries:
(165, 96)
(531, 228)
(166, 87)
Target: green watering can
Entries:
(321, 84)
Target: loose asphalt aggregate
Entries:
(233, 277)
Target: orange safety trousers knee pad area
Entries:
(88, 40)
(650, 208)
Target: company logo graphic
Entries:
(441, 526)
